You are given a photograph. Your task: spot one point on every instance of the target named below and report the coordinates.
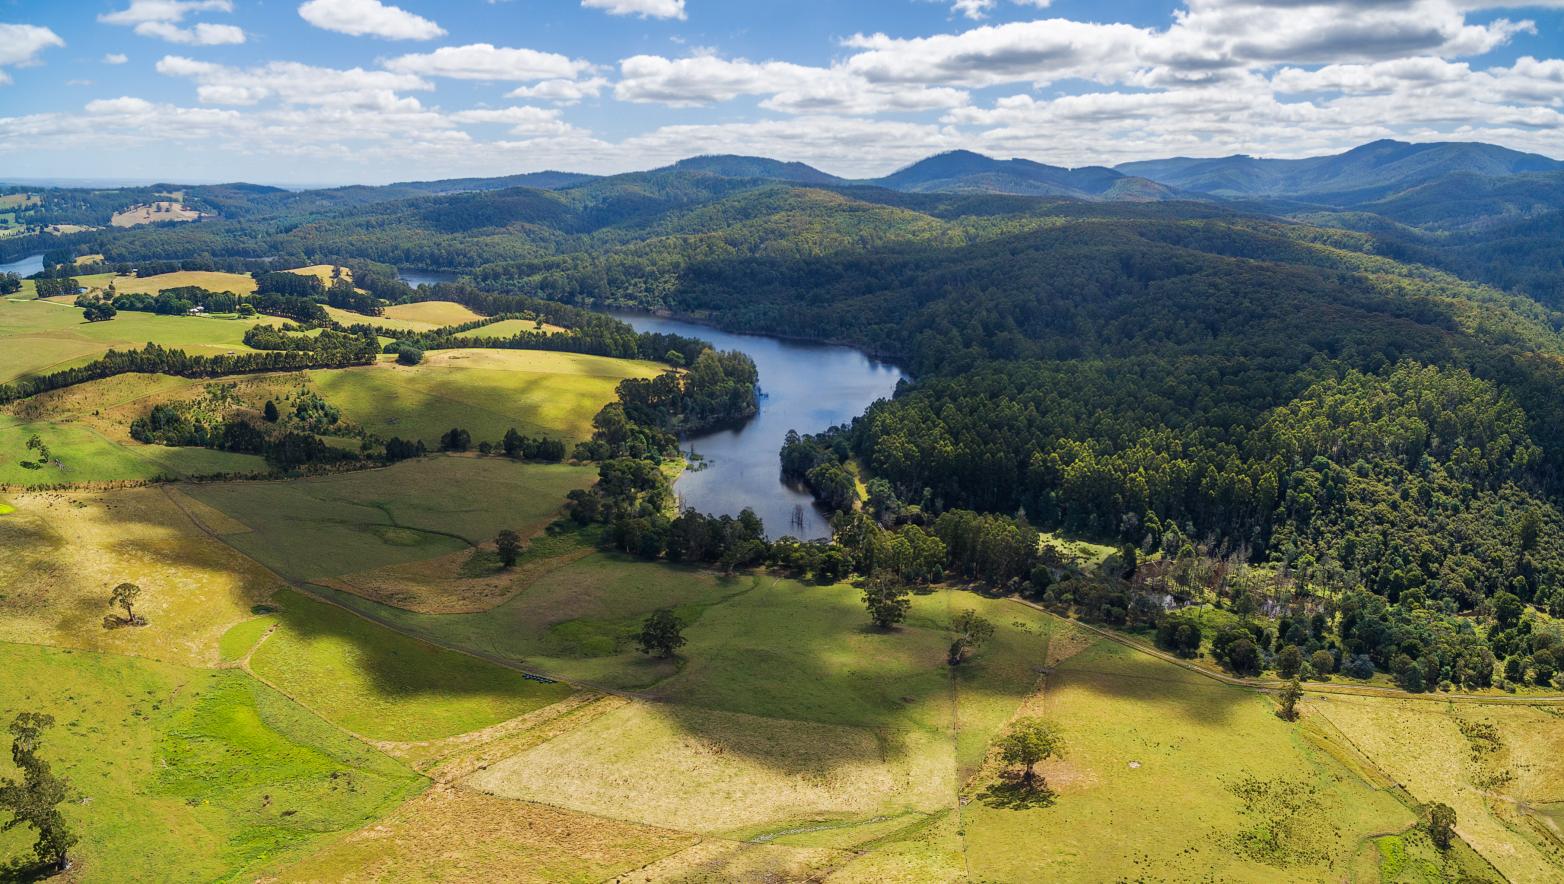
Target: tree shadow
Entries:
(1013, 792)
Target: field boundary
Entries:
(1271, 686)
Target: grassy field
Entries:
(65, 552)
(437, 313)
(237, 283)
(333, 526)
(1493, 764)
(456, 834)
(385, 686)
(189, 775)
(37, 337)
(508, 328)
(483, 391)
(154, 213)
(1197, 780)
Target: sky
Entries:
(312, 92)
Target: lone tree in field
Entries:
(972, 631)
(1441, 825)
(36, 800)
(1290, 697)
(270, 412)
(125, 596)
(509, 545)
(887, 600)
(661, 634)
(1030, 742)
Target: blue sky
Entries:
(337, 91)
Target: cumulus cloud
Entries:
(292, 83)
(707, 79)
(161, 18)
(201, 34)
(561, 91)
(20, 46)
(483, 61)
(116, 58)
(142, 11)
(642, 8)
(368, 18)
(523, 120)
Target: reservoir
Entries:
(804, 387)
(25, 267)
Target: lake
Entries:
(416, 278)
(25, 267)
(804, 387)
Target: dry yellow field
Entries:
(1492, 763)
(457, 834)
(154, 213)
(439, 313)
(323, 272)
(237, 283)
(715, 772)
(64, 552)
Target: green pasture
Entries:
(80, 453)
(1172, 774)
(384, 685)
(485, 392)
(187, 774)
(331, 526)
(37, 337)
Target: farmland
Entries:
(483, 391)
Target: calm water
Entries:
(804, 387)
(25, 267)
(416, 278)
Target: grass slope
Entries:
(483, 391)
(383, 685)
(337, 525)
(189, 775)
(65, 552)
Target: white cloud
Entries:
(524, 121)
(483, 61)
(20, 46)
(292, 83)
(707, 79)
(140, 11)
(200, 34)
(561, 91)
(371, 18)
(642, 8)
(116, 58)
(161, 18)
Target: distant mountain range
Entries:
(1360, 175)
(1382, 170)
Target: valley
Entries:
(503, 575)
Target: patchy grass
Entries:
(383, 685)
(65, 552)
(576, 622)
(154, 213)
(458, 834)
(715, 772)
(1490, 763)
(1169, 774)
(483, 391)
(342, 524)
(189, 775)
